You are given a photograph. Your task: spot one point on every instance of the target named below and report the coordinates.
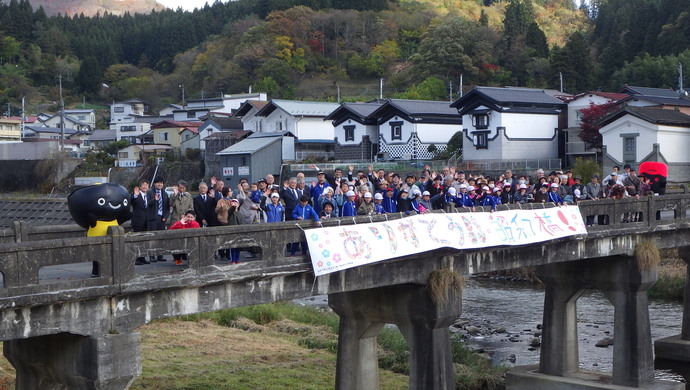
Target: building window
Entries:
(128, 128)
(481, 141)
(122, 155)
(119, 110)
(279, 126)
(191, 114)
(396, 131)
(481, 121)
(163, 136)
(349, 133)
(186, 137)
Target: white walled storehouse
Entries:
(406, 128)
(633, 135)
(356, 131)
(510, 123)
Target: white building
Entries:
(356, 131)
(634, 135)
(510, 124)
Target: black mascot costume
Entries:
(97, 207)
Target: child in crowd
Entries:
(187, 221)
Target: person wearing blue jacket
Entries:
(378, 203)
(275, 212)
(303, 211)
(390, 202)
(553, 196)
(349, 207)
(463, 198)
(488, 199)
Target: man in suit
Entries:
(205, 207)
(139, 203)
(159, 206)
(290, 197)
(158, 210)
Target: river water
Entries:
(517, 308)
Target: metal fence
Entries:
(515, 165)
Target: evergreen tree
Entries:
(89, 77)
(536, 40)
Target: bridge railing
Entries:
(21, 262)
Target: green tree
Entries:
(536, 40)
(89, 76)
(430, 89)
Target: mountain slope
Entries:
(91, 7)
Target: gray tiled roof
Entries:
(362, 109)
(302, 108)
(668, 101)
(518, 95)
(646, 91)
(652, 115)
(419, 107)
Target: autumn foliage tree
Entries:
(589, 121)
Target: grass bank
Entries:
(278, 347)
(672, 273)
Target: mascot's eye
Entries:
(124, 202)
(101, 201)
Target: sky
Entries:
(187, 5)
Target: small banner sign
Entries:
(334, 249)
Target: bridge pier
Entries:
(625, 284)
(677, 348)
(74, 362)
(423, 322)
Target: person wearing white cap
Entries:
(553, 195)
(378, 203)
(425, 204)
(463, 199)
(521, 196)
(275, 212)
(328, 196)
(367, 206)
(487, 199)
(349, 208)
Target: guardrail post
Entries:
(17, 227)
(121, 267)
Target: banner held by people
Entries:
(334, 249)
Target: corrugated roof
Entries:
(103, 135)
(608, 95)
(303, 108)
(248, 145)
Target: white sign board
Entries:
(228, 171)
(127, 163)
(337, 248)
(243, 171)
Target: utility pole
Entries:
(182, 87)
(62, 119)
(23, 118)
(680, 79)
(560, 77)
(460, 86)
(450, 91)
(338, 87)
(381, 88)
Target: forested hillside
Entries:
(310, 48)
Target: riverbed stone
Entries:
(604, 343)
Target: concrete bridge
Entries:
(81, 333)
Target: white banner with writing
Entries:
(337, 248)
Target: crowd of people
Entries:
(352, 193)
